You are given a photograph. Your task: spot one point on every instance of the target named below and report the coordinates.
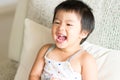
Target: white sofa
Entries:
(32, 25)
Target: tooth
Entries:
(61, 35)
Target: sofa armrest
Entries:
(16, 38)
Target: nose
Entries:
(61, 27)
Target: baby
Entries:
(73, 22)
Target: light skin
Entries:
(67, 34)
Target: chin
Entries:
(60, 45)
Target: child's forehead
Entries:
(68, 16)
(68, 12)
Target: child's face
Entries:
(66, 29)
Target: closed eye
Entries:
(56, 22)
(69, 25)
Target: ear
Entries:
(83, 34)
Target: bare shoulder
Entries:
(87, 58)
(43, 49)
(89, 67)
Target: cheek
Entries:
(53, 30)
(74, 34)
(74, 31)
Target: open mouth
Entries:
(61, 38)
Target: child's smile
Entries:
(61, 38)
(66, 28)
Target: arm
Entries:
(38, 65)
(89, 68)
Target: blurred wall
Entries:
(5, 27)
(7, 11)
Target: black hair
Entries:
(83, 10)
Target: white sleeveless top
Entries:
(59, 70)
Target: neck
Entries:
(71, 49)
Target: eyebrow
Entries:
(66, 20)
(56, 18)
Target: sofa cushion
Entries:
(36, 35)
